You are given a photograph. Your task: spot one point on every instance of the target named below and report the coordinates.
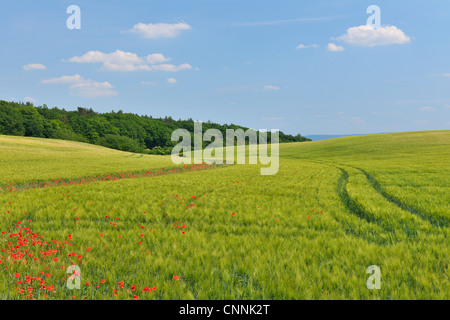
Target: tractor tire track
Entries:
(350, 205)
(442, 222)
(435, 222)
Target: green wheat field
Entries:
(138, 227)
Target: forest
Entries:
(115, 129)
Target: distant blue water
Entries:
(318, 137)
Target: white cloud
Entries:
(427, 108)
(271, 88)
(93, 89)
(334, 48)
(368, 36)
(156, 58)
(117, 57)
(34, 66)
(307, 46)
(446, 74)
(109, 66)
(159, 30)
(128, 61)
(172, 80)
(29, 99)
(84, 87)
(171, 67)
(64, 79)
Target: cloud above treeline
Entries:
(367, 36)
(128, 61)
(307, 46)
(84, 87)
(34, 66)
(159, 30)
(334, 48)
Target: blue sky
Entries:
(309, 67)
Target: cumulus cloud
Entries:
(84, 87)
(271, 88)
(368, 36)
(427, 108)
(159, 30)
(128, 61)
(172, 80)
(307, 46)
(334, 48)
(171, 67)
(34, 66)
(64, 79)
(156, 58)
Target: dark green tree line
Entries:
(117, 130)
